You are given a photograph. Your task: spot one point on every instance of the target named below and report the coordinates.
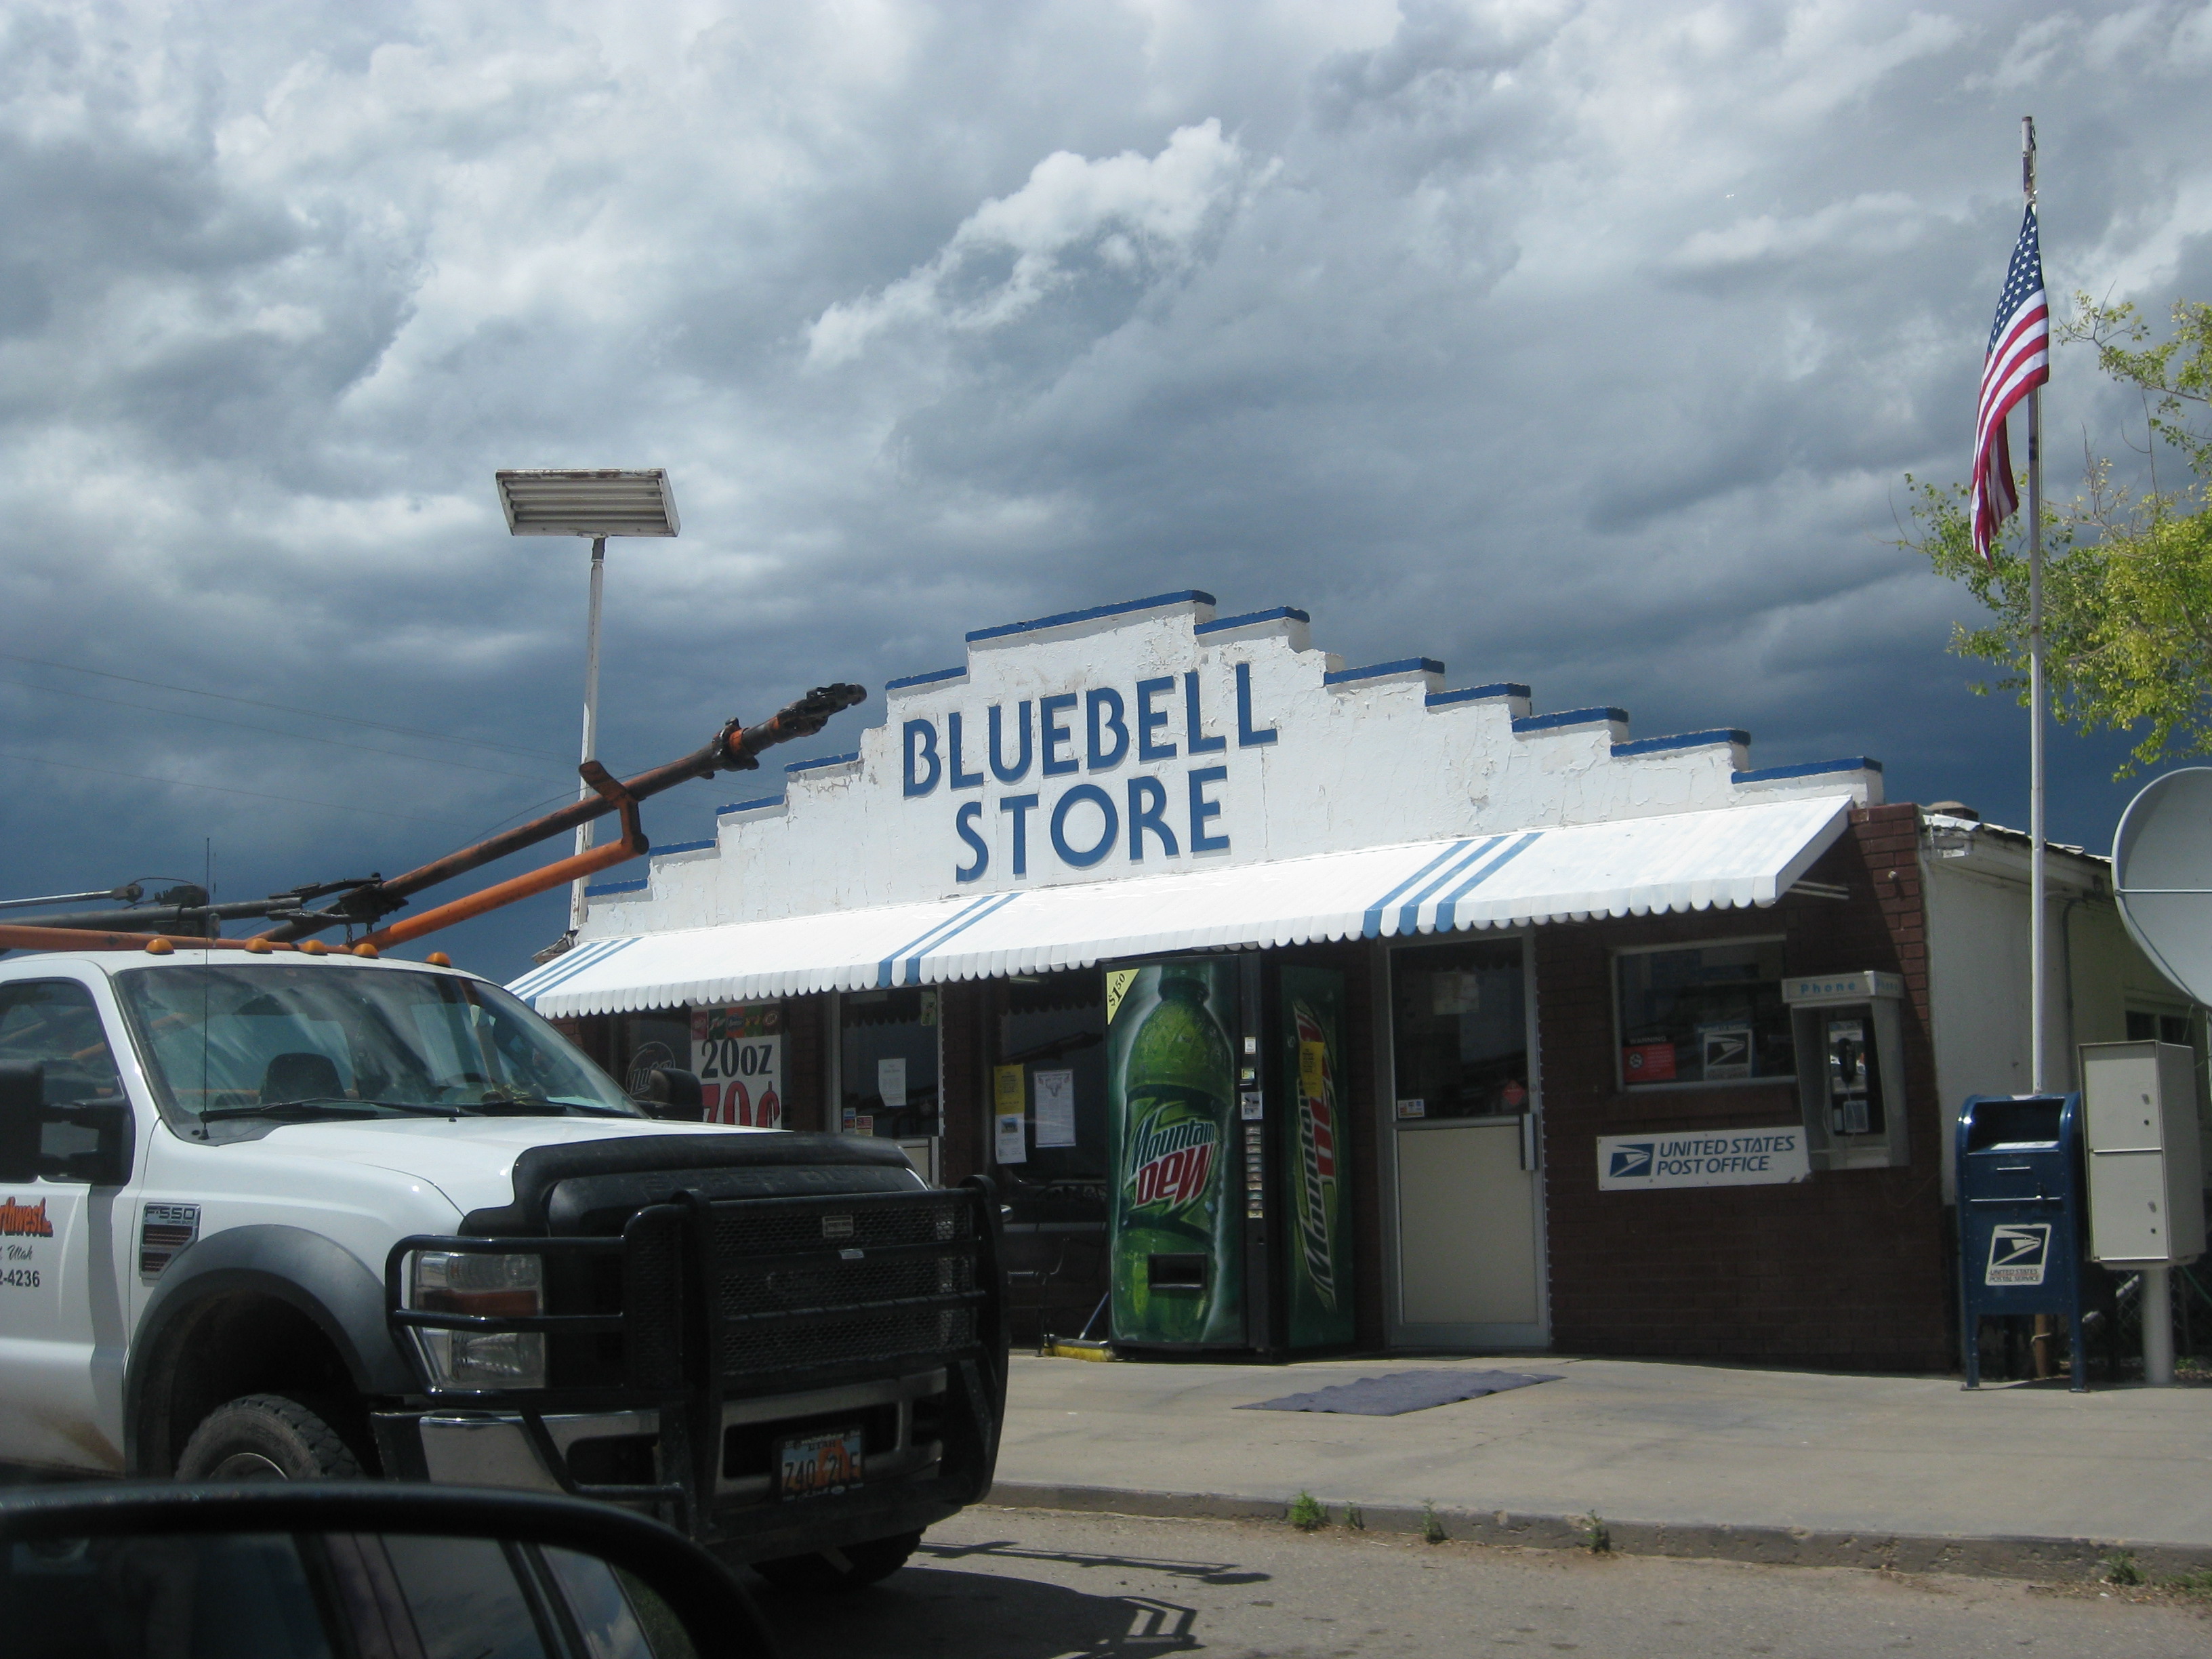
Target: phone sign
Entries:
(738, 1052)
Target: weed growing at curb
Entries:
(1353, 1518)
(1600, 1535)
(1432, 1528)
(1308, 1514)
(2120, 1568)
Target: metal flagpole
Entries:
(592, 721)
(2039, 974)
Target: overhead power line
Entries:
(250, 794)
(275, 731)
(282, 707)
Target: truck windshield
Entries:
(288, 1040)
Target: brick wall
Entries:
(1844, 1271)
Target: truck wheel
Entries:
(265, 1436)
(848, 1569)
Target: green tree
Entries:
(2127, 578)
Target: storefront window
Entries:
(1050, 1071)
(645, 1042)
(1459, 1030)
(1704, 1013)
(887, 1066)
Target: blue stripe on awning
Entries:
(1409, 908)
(567, 966)
(1448, 905)
(1371, 924)
(913, 975)
(928, 937)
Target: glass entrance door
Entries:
(1469, 1256)
(887, 1070)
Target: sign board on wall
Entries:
(1724, 1158)
(738, 1052)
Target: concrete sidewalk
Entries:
(1678, 1459)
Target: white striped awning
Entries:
(1739, 856)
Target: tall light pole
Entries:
(598, 504)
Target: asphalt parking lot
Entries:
(1040, 1584)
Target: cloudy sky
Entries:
(1585, 344)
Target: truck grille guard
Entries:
(735, 1298)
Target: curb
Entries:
(2078, 1560)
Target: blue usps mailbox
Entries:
(2020, 1216)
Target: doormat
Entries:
(1401, 1392)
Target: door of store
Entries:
(888, 1066)
(1470, 1226)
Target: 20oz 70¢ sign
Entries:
(738, 1052)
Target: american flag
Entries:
(2019, 360)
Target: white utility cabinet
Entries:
(2146, 1177)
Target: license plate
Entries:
(809, 1465)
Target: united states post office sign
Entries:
(1727, 1157)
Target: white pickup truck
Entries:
(305, 1214)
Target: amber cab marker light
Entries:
(364, 949)
(439, 959)
(314, 947)
(159, 947)
(259, 947)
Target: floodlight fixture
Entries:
(597, 502)
(587, 502)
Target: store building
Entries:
(1632, 1045)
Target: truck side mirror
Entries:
(673, 1093)
(86, 1140)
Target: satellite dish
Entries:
(2162, 876)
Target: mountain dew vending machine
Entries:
(1230, 1211)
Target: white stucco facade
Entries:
(1152, 740)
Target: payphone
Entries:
(1849, 1034)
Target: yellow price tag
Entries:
(1313, 1061)
(1118, 980)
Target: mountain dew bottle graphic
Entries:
(1177, 1264)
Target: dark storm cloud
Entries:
(1585, 344)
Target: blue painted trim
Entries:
(605, 887)
(682, 847)
(1686, 740)
(1280, 613)
(1498, 693)
(1370, 925)
(822, 760)
(1403, 666)
(752, 805)
(1448, 905)
(1810, 769)
(929, 679)
(1187, 596)
(1569, 717)
(564, 968)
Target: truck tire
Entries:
(265, 1436)
(861, 1564)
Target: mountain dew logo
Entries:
(1316, 1130)
(1171, 1159)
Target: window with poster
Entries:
(887, 1063)
(645, 1042)
(1048, 1080)
(737, 1049)
(1459, 1030)
(1710, 1014)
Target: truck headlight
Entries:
(496, 1287)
